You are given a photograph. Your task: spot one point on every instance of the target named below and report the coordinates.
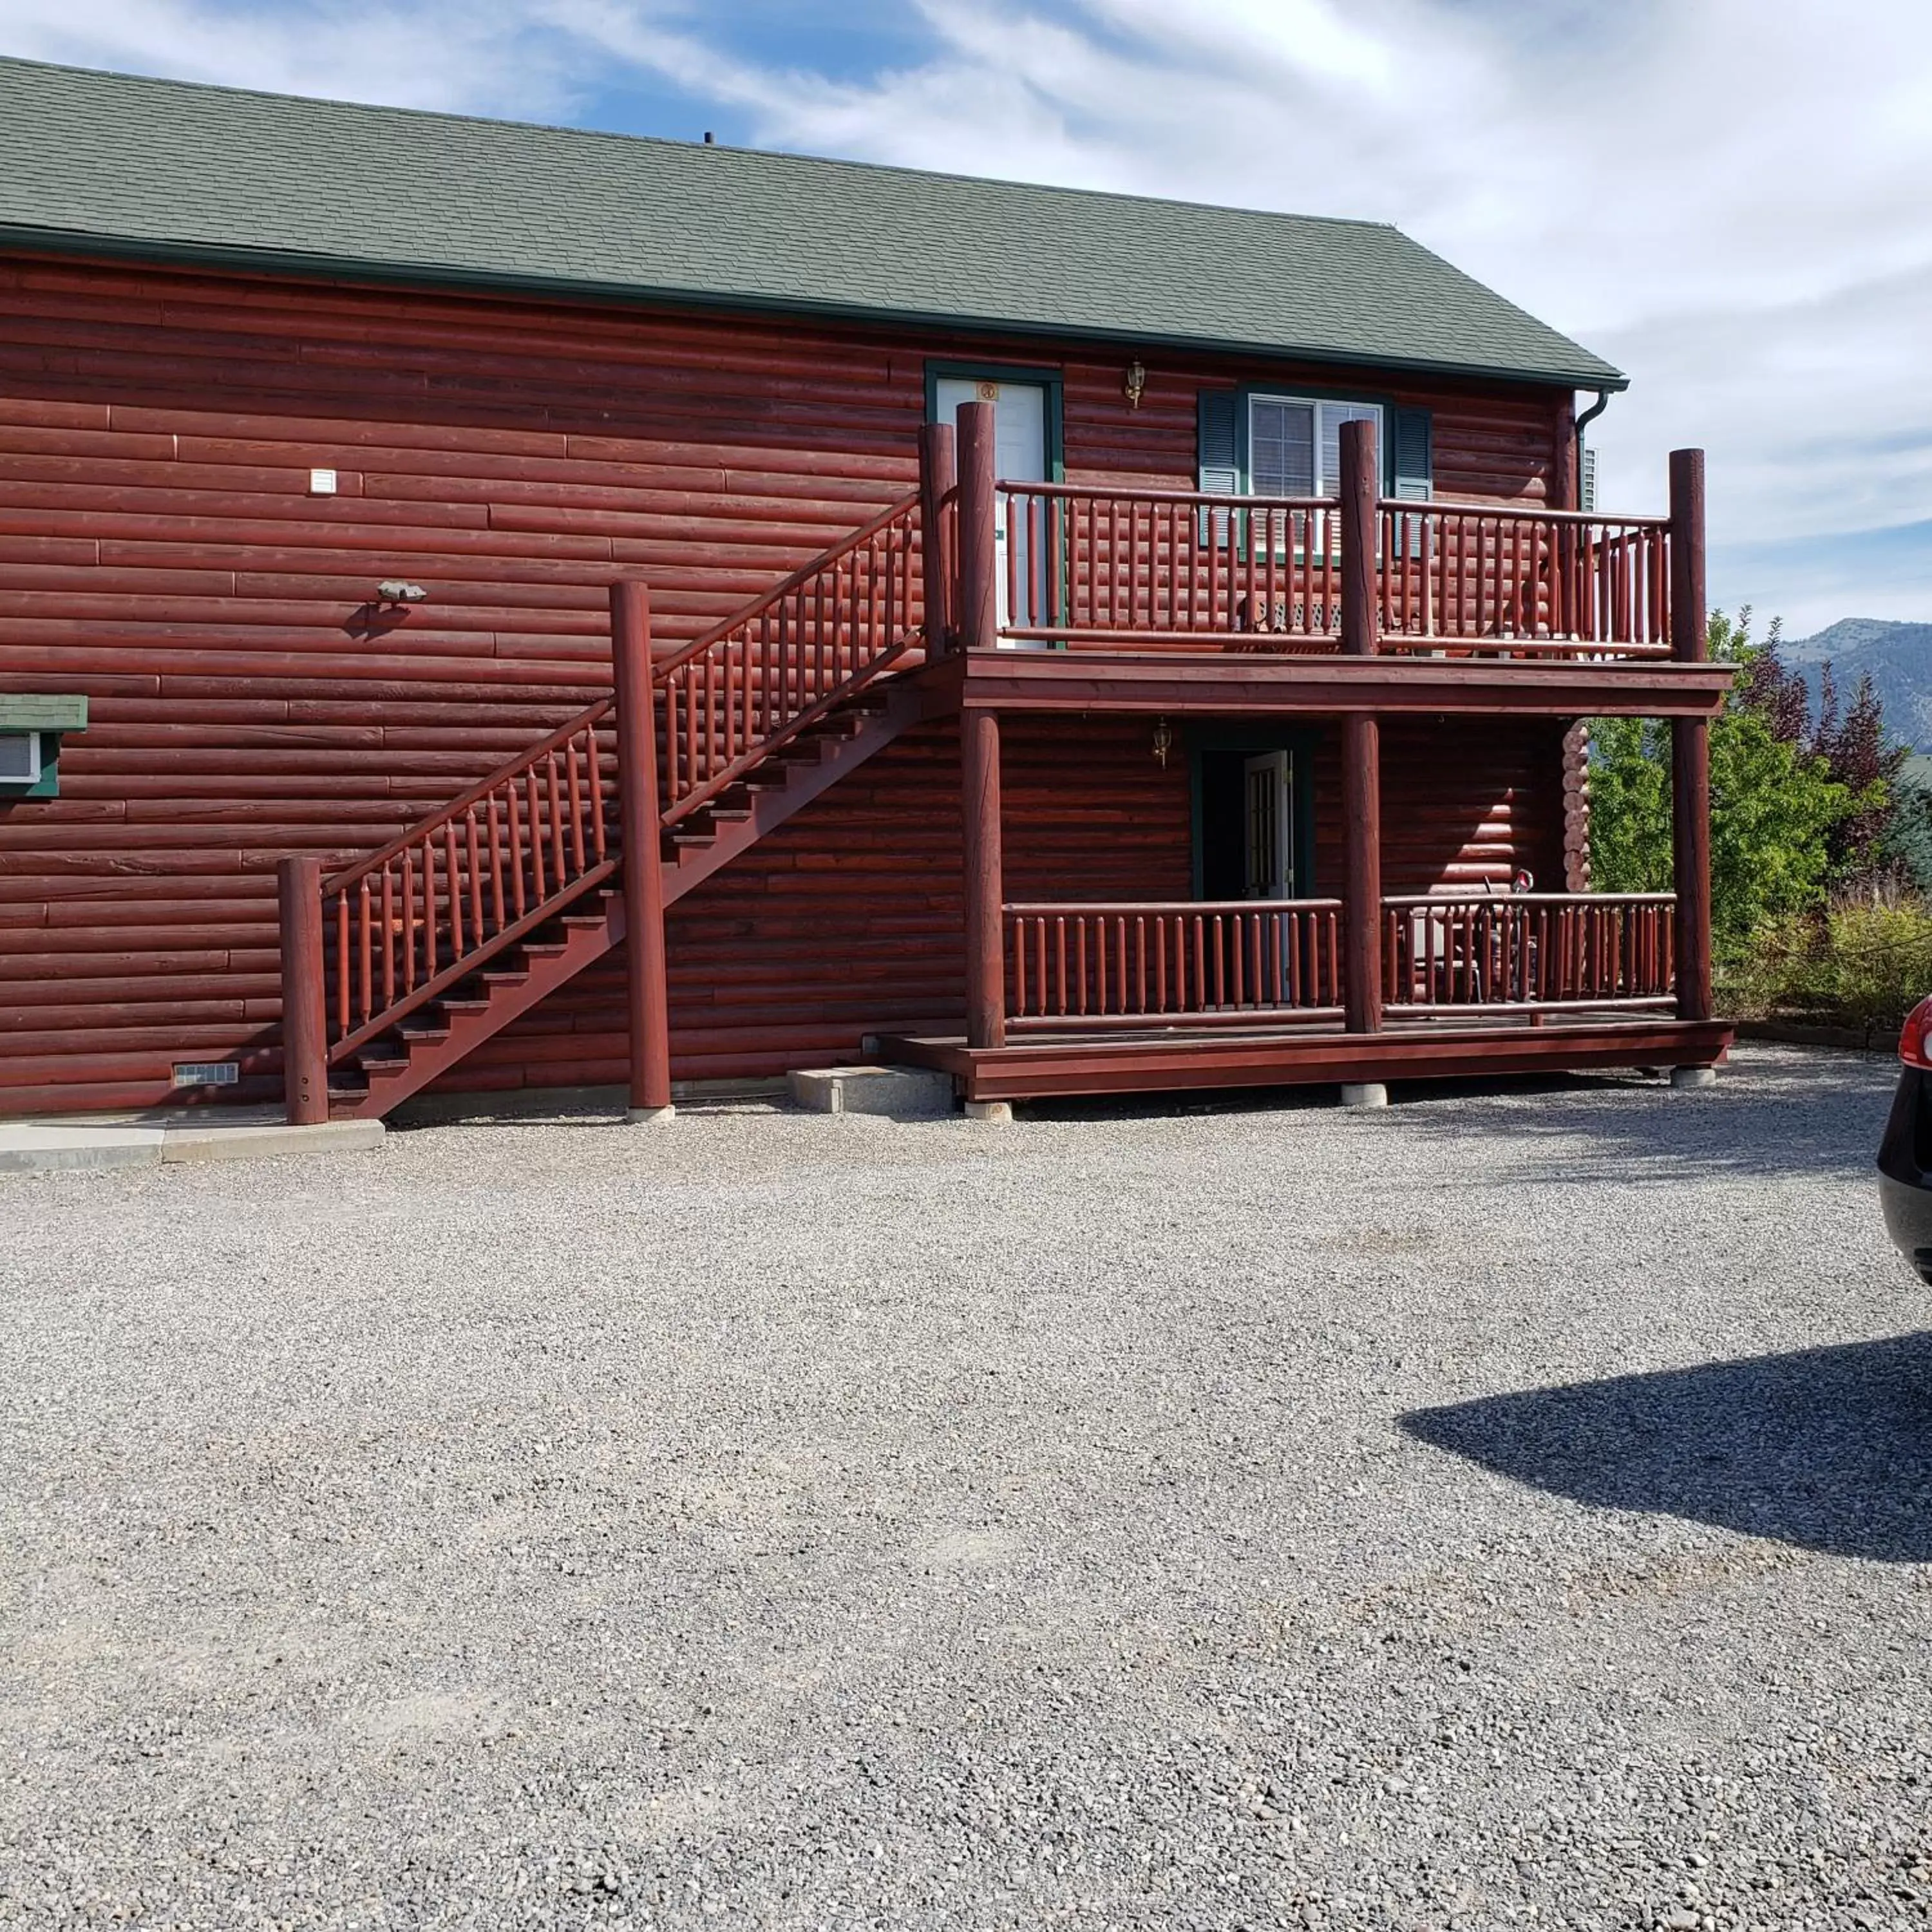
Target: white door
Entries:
(1268, 825)
(1019, 456)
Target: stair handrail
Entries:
(512, 851)
(386, 925)
(891, 513)
(753, 683)
(510, 768)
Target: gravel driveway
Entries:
(1513, 1507)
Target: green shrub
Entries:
(1863, 963)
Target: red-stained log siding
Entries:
(159, 550)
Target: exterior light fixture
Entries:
(394, 590)
(1163, 742)
(1133, 385)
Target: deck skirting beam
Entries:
(1040, 1069)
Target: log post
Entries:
(1566, 486)
(1361, 873)
(1361, 490)
(648, 996)
(1689, 743)
(986, 948)
(1361, 739)
(976, 612)
(938, 472)
(305, 1005)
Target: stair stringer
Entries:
(903, 703)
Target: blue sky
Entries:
(1728, 198)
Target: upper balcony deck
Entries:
(1096, 597)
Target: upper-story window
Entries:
(1295, 443)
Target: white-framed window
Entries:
(19, 757)
(1295, 443)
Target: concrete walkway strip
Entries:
(39, 1147)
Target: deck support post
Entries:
(1361, 873)
(304, 1004)
(1361, 740)
(980, 800)
(647, 984)
(1689, 743)
(976, 613)
(938, 472)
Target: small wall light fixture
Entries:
(1163, 742)
(394, 590)
(1133, 385)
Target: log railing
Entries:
(1545, 952)
(1099, 566)
(407, 921)
(737, 694)
(1187, 962)
(1533, 582)
(1127, 569)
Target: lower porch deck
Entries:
(1307, 1051)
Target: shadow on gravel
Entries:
(1789, 1112)
(1830, 1449)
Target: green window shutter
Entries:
(1415, 440)
(1217, 457)
(1219, 448)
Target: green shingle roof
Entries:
(168, 169)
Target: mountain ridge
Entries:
(1898, 655)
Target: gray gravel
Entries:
(1515, 1508)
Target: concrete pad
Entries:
(1365, 1093)
(34, 1146)
(903, 1092)
(1693, 1077)
(650, 1116)
(997, 1113)
(209, 1140)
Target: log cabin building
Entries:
(485, 606)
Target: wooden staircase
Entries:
(396, 968)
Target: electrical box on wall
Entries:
(32, 727)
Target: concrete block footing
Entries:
(1364, 1094)
(901, 1093)
(999, 1112)
(650, 1116)
(1690, 1077)
(36, 1147)
(213, 1142)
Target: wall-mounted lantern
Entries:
(1133, 385)
(1163, 742)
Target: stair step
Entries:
(452, 1004)
(374, 1063)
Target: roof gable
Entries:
(173, 168)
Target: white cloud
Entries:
(1726, 196)
(463, 56)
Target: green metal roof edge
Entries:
(69, 241)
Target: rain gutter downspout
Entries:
(1583, 421)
